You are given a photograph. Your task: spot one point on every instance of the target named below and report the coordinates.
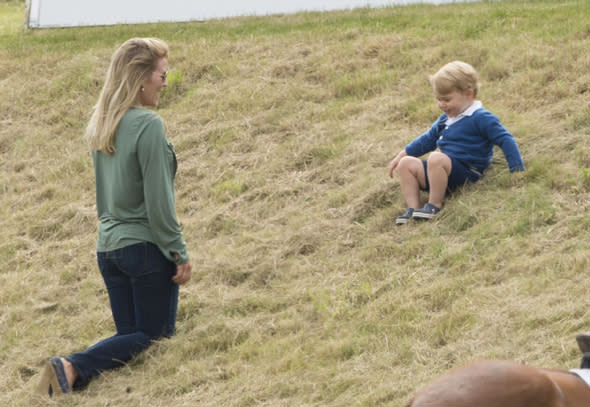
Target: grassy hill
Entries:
(305, 293)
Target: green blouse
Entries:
(135, 188)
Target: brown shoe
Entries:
(584, 342)
(53, 380)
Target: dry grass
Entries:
(305, 293)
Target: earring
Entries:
(142, 89)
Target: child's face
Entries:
(455, 102)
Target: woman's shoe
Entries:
(54, 380)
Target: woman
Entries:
(141, 252)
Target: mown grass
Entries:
(304, 292)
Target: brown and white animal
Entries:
(504, 384)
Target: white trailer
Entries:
(73, 13)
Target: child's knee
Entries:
(408, 164)
(439, 159)
(411, 170)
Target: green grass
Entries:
(304, 291)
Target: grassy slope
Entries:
(305, 294)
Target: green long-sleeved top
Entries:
(135, 188)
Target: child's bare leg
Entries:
(411, 178)
(439, 169)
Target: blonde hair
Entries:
(132, 63)
(455, 76)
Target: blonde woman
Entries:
(141, 252)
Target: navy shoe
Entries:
(428, 212)
(54, 381)
(403, 219)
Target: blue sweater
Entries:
(470, 140)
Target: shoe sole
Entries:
(402, 221)
(423, 215)
(49, 383)
(584, 342)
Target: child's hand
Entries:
(393, 164)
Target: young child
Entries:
(465, 134)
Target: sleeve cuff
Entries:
(517, 168)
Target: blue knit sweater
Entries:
(470, 140)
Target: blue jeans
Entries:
(144, 301)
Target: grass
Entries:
(304, 292)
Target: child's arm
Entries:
(427, 141)
(421, 145)
(503, 139)
(395, 161)
(512, 154)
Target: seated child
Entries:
(465, 134)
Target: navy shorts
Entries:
(460, 175)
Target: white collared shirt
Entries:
(467, 112)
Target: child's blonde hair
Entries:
(455, 76)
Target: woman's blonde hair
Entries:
(131, 64)
(455, 76)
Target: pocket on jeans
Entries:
(158, 262)
(133, 259)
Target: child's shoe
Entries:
(403, 219)
(428, 212)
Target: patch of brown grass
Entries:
(304, 292)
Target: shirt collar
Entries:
(471, 109)
(467, 112)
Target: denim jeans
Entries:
(144, 301)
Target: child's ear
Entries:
(470, 93)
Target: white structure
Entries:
(71, 13)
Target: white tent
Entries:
(70, 13)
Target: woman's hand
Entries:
(183, 273)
